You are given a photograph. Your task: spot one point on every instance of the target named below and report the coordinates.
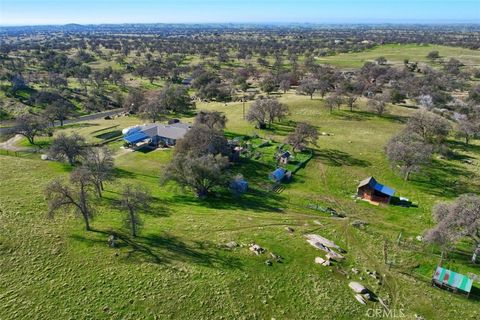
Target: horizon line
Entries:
(413, 22)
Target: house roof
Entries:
(286, 154)
(278, 174)
(136, 137)
(376, 186)
(453, 279)
(171, 131)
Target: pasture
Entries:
(179, 266)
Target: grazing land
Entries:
(179, 266)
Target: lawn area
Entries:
(396, 53)
(179, 267)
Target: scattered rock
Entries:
(355, 270)
(334, 256)
(268, 263)
(419, 317)
(317, 222)
(359, 224)
(419, 238)
(368, 296)
(231, 244)
(357, 287)
(112, 241)
(276, 257)
(320, 260)
(44, 157)
(256, 249)
(289, 229)
(360, 298)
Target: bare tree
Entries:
(285, 85)
(211, 119)
(202, 174)
(68, 148)
(303, 135)
(134, 101)
(59, 110)
(153, 107)
(266, 111)
(308, 86)
(29, 126)
(408, 152)
(202, 140)
(468, 129)
(99, 162)
(378, 104)
(75, 195)
(333, 101)
(133, 200)
(457, 220)
(431, 127)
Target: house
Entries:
(370, 190)
(284, 158)
(157, 134)
(450, 280)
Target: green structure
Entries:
(451, 280)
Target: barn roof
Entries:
(453, 279)
(376, 186)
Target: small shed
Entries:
(284, 157)
(278, 174)
(450, 280)
(239, 185)
(369, 189)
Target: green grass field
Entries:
(396, 54)
(178, 267)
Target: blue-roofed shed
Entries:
(369, 189)
(278, 174)
(136, 137)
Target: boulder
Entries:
(44, 157)
(231, 244)
(357, 287)
(319, 260)
(360, 298)
(289, 229)
(256, 249)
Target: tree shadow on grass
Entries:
(122, 173)
(164, 249)
(364, 115)
(442, 179)
(280, 128)
(339, 158)
(254, 199)
(460, 145)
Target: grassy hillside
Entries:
(179, 267)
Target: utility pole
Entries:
(243, 100)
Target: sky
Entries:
(37, 12)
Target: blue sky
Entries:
(28, 12)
